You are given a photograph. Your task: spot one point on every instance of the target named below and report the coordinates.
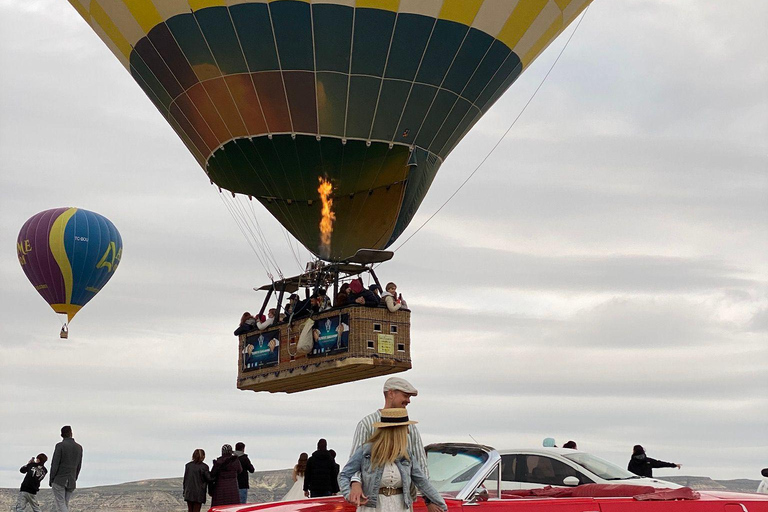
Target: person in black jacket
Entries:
(197, 476)
(321, 475)
(642, 465)
(35, 472)
(242, 478)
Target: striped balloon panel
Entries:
(68, 254)
(411, 73)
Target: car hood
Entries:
(329, 504)
(653, 482)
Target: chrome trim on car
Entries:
(493, 459)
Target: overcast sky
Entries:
(602, 278)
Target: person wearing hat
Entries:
(65, 468)
(397, 394)
(388, 465)
(225, 490)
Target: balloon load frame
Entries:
(352, 342)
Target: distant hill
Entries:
(164, 494)
(704, 483)
(159, 495)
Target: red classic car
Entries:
(472, 478)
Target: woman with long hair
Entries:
(297, 491)
(196, 480)
(387, 467)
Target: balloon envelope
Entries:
(69, 254)
(372, 94)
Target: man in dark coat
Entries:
(65, 468)
(242, 478)
(642, 465)
(321, 475)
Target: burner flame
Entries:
(326, 221)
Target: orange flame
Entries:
(326, 222)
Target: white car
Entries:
(538, 467)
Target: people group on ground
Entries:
(226, 482)
(62, 477)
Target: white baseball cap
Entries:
(400, 384)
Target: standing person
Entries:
(335, 464)
(642, 465)
(196, 480)
(297, 491)
(35, 472)
(65, 468)
(397, 394)
(388, 467)
(762, 488)
(320, 477)
(242, 478)
(224, 473)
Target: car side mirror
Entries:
(480, 494)
(571, 481)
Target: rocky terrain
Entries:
(164, 495)
(161, 495)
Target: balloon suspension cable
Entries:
(498, 143)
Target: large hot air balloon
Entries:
(372, 95)
(69, 254)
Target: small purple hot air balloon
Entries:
(68, 254)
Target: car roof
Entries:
(539, 451)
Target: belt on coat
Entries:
(390, 491)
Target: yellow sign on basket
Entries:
(386, 344)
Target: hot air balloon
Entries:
(69, 254)
(369, 95)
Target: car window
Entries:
(539, 469)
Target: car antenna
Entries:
(475, 440)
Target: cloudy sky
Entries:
(602, 278)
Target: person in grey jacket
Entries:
(197, 476)
(387, 466)
(65, 468)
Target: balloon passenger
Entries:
(357, 294)
(247, 324)
(392, 300)
(387, 467)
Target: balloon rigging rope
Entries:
(501, 139)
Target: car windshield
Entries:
(602, 468)
(451, 467)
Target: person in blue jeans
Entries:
(242, 477)
(387, 467)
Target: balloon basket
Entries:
(64, 334)
(353, 343)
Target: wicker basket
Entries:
(378, 344)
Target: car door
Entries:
(534, 505)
